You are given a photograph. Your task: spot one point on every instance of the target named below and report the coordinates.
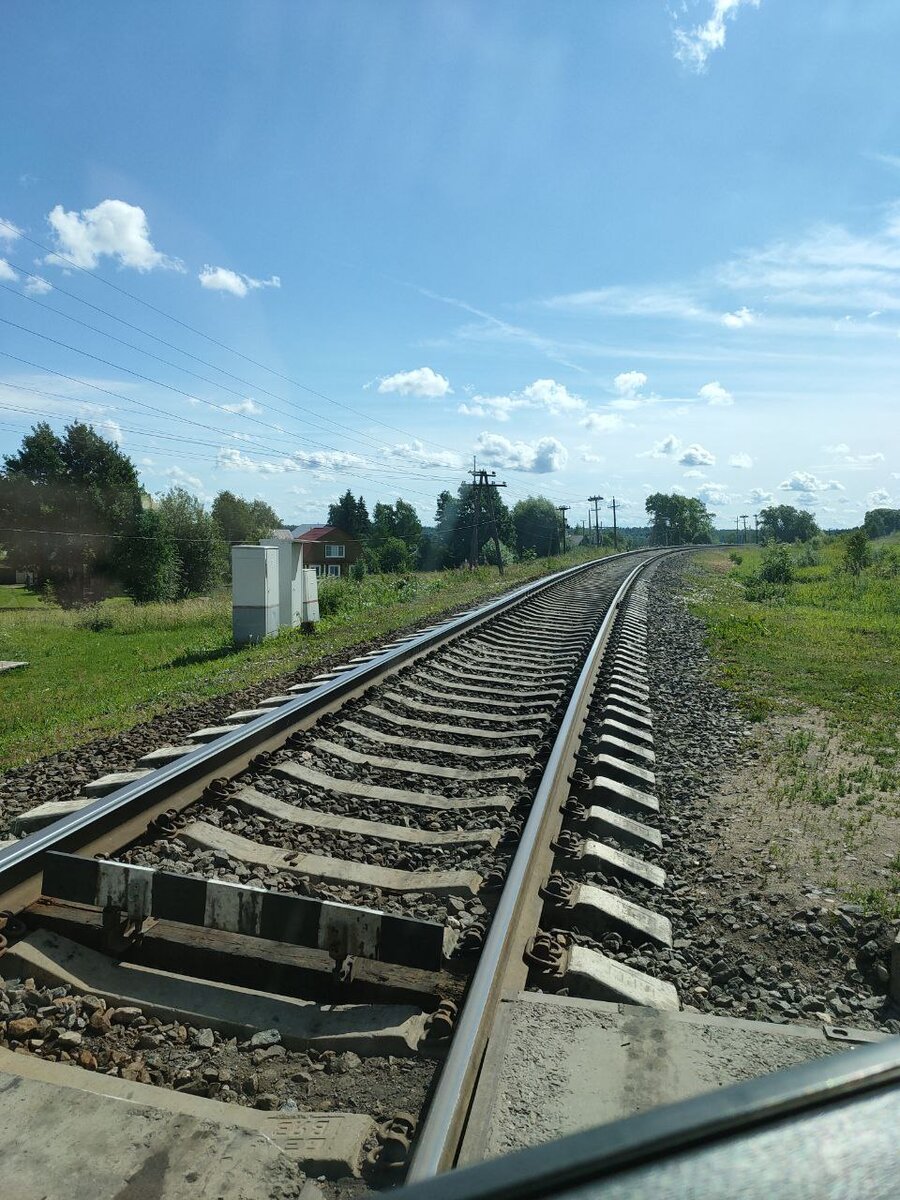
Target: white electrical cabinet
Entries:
(310, 596)
(255, 607)
(290, 580)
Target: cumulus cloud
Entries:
(714, 394)
(601, 422)
(111, 430)
(627, 383)
(36, 286)
(221, 279)
(742, 461)
(545, 394)
(667, 448)
(802, 481)
(418, 455)
(856, 462)
(693, 47)
(760, 496)
(112, 229)
(540, 457)
(184, 479)
(739, 319)
(696, 455)
(879, 498)
(6, 272)
(422, 381)
(300, 460)
(589, 457)
(247, 406)
(714, 493)
(9, 231)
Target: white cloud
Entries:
(695, 473)
(422, 381)
(35, 286)
(667, 448)
(760, 496)
(879, 498)
(696, 456)
(802, 481)
(111, 430)
(693, 47)
(589, 457)
(622, 301)
(221, 279)
(545, 394)
(113, 229)
(742, 461)
(6, 272)
(540, 457)
(248, 406)
(739, 319)
(416, 453)
(183, 479)
(714, 493)
(629, 383)
(856, 462)
(300, 460)
(714, 394)
(601, 422)
(9, 232)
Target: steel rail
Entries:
(21, 863)
(438, 1143)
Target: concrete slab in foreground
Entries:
(557, 1065)
(74, 1135)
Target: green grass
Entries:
(100, 670)
(832, 641)
(16, 596)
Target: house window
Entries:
(334, 551)
(334, 568)
(320, 570)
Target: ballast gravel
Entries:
(744, 946)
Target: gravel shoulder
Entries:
(763, 929)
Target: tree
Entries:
(784, 523)
(857, 552)
(195, 536)
(350, 515)
(147, 562)
(393, 555)
(879, 522)
(677, 519)
(240, 520)
(64, 502)
(538, 526)
(399, 520)
(455, 521)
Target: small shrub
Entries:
(776, 566)
(886, 563)
(95, 621)
(808, 554)
(762, 591)
(737, 559)
(857, 552)
(358, 570)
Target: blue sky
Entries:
(611, 247)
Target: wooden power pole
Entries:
(595, 500)
(483, 485)
(562, 509)
(614, 506)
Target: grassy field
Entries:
(817, 662)
(105, 668)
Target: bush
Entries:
(737, 559)
(760, 591)
(776, 566)
(94, 620)
(857, 552)
(808, 554)
(358, 570)
(886, 563)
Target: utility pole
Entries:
(483, 483)
(595, 500)
(613, 506)
(562, 509)
(743, 517)
(756, 524)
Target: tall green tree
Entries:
(240, 520)
(676, 519)
(147, 562)
(196, 539)
(350, 514)
(784, 523)
(455, 521)
(399, 520)
(538, 526)
(64, 503)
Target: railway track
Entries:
(350, 876)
